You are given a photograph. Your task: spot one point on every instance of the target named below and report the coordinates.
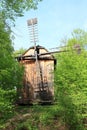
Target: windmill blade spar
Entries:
(29, 57)
(52, 52)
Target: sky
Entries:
(56, 20)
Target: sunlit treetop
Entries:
(10, 9)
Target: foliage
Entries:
(10, 9)
(6, 107)
(19, 52)
(41, 118)
(11, 73)
(71, 82)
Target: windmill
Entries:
(39, 66)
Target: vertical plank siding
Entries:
(38, 84)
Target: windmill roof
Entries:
(42, 56)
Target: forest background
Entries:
(70, 73)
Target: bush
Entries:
(6, 103)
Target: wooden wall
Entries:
(38, 78)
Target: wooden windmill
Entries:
(39, 64)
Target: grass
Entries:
(36, 117)
(40, 117)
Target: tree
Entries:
(71, 81)
(10, 9)
(11, 72)
(8, 66)
(19, 52)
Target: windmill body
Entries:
(38, 83)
